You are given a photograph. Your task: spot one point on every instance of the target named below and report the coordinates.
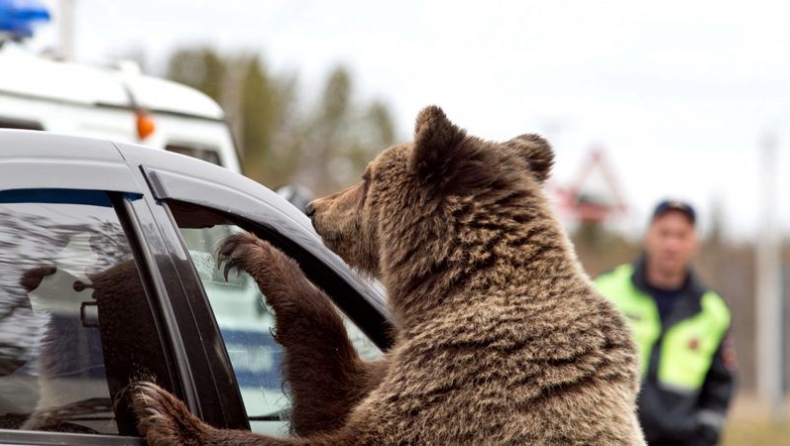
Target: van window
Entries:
(13, 123)
(200, 152)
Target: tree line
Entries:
(323, 143)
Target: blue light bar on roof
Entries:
(18, 16)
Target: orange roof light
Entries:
(145, 125)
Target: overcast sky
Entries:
(677, 93)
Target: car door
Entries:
(206, 204)
(81, 301)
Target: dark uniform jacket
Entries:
(686, 360)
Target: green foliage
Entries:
(200, 68)
(325, 145)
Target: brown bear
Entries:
(500, 336)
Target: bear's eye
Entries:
(367, 176)
(365, 184)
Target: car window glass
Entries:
(201, 152)
(66, 269)
(23, 124)
(245, 321)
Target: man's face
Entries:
(670, 243)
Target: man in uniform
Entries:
(681, 328)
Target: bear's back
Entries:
(511, 370)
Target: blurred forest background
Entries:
(325, 142)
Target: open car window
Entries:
(244, 319)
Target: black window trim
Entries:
(157, 296)
(190, 312)
(210, 329)
(182, 371)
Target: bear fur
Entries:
(500, 336)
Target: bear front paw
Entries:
(269, 266)
(164, 420)
(245, 252)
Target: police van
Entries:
(118, 103)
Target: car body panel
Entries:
(147, 180)
(30, 159)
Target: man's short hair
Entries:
(666, 206)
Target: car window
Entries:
(14, 123)
(245, 321)
(69, 286)
(201, 152)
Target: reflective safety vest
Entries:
(688, 344)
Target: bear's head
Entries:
(438, 202)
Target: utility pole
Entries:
(66, 28)
(231, 98)
(769, 291)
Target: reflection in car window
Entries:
(58, 250)
(245, 321)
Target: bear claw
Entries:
(235, 250)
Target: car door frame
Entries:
(32, 160)
(172, 177)
(241, 198)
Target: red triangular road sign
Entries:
(594, 195)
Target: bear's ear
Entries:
(537, 151)
(437, 143)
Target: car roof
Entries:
(90, 152)
(27, 75)
(162, 160)
(49, 160)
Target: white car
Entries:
(116, 103)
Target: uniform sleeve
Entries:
(716, 393)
